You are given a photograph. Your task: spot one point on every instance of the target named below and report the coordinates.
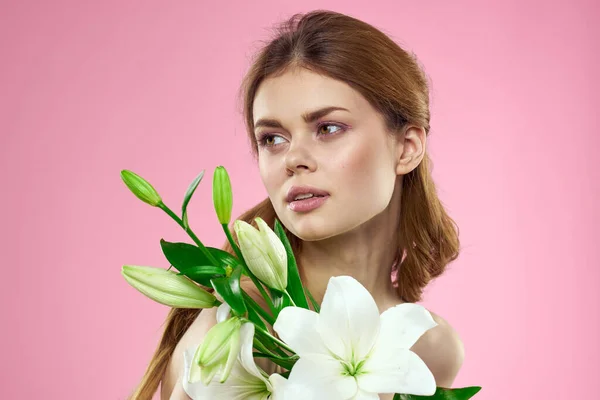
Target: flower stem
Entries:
(312, 300)
(272, 347)
(207, 253)
(274, 339)
(261, 355)
(290, 297)
(287, 363)
(260, 346)
(234, 245)
(259, 310)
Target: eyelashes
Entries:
(264, 138)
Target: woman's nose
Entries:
(299, 158)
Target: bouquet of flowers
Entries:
(341, 349)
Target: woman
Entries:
(334, 108)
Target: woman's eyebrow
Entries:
(307, 117)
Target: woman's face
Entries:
(347, 153)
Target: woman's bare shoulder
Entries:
(171, 382)
(442, 350)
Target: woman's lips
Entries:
(306, 205)
(296, 191)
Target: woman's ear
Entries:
(410, 149)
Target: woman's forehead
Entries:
(296, 93)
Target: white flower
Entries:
(245, 381)
(296, 390)
(351, 349)
(264, 253)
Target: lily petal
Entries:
(239, 386)
(298, 328)
(233, 356)
(246, 358)
(404, 324)
(255, 250)
(323, 374)
(349, 318)
(279, 385)
(399, 371)
(197, 389)
(192, 372)
(362, 395)
(278, 253)
(223, 312)
(304, 391)
(249, 242)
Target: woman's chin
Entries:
(310, 226)
(311, 232)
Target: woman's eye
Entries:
(273, 138)
(326, 131)
(269, 140)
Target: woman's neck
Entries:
(366, 253)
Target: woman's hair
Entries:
(354, 52)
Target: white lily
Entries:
(245, 381)
(264, 253)
(351, 349)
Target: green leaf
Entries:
(294, 283)
(259, 346)
(268, 342)
(184, 220)
(225, 258)
(250, 303)
(255, 318)
(444, 394)
(229, 289)
(280, 301)
(188, 195)
(286, 374)
(203, 273)
(271, 349)
(184, 255)
(287, 362)
(314, 303)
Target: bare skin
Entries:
(440, 348)
(351, 155)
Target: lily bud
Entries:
(141, 188)
(222, 196)
(264, 253)
(218, 352)
(167, 287)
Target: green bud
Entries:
(218, 351)
(167, 287)
(264, 253)
(222, 196)
(141, 188)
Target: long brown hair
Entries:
(390, 78)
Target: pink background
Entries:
(90, 89)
